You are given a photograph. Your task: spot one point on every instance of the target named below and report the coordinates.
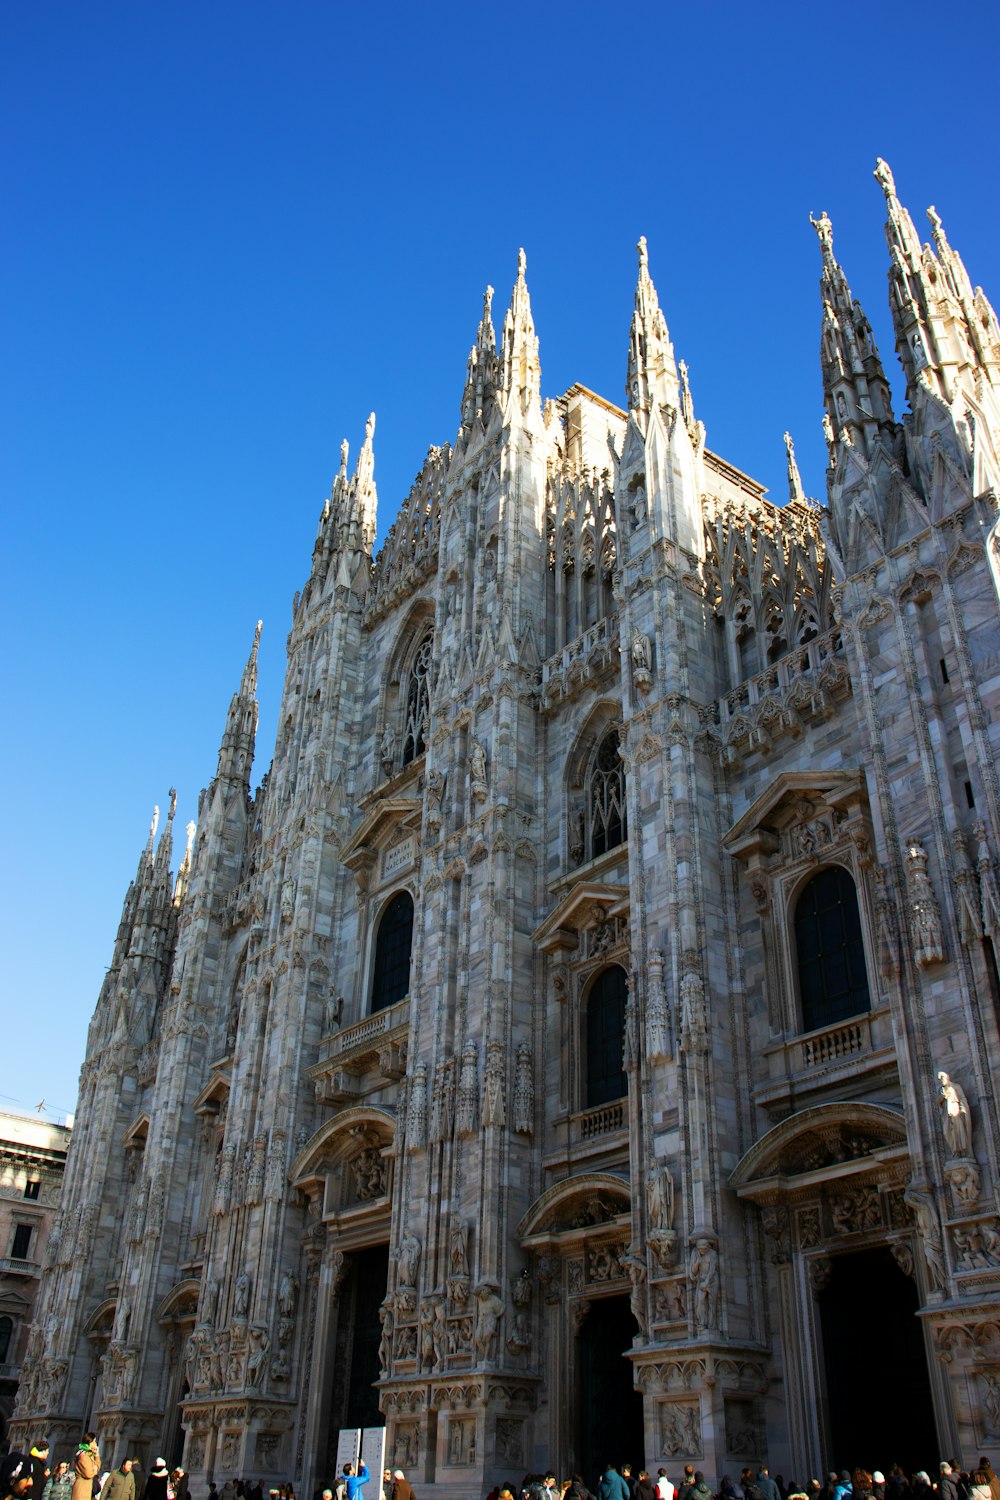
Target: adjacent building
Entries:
(581, 1045)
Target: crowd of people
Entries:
(27, 1476)
(951, 1482)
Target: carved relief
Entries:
(680, 1429)
(925, 914)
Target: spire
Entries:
(363, 500)
(856, 392)
(481, 371)
(184, 869)
(795, 490)
(652, 373)
(236, 751)
(520, 368)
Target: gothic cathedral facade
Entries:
(580, 1046)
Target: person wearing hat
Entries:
(15, 1476)
(878, 1485)
(156, 1484)
(86, 1466)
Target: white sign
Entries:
(348, 1447)
(373, 1454)
(399, 857)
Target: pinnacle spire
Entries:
(855, 389)
(481, 370)
(248, 686)
(795, 490)
(652, 372)
(237, 748)
(520, 368)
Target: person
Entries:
(385, 1492)
(86, 1466)
(979, 1485)
(878, 1485)
(687, 1483)
(645, 1488)
(182, 1488)
(842, 1489)
(947, 1486)
(627, 1476)
(577, 1489)
(861, 1484)
(59, 1485)
(401, 1487)
(612, 1486)
(15, 1476)
(664, 1487)
(356, 1481)
(700, 1490)
(728, 1490)
(922, 1487)
(769, 1490)
(156, 1484)
(120, 1483)
(38, 1455)
(992, 1479)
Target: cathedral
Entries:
(579, 1046)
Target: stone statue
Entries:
(427, 1333)
(408, 1260)
(260, 1343)
(241, 1295)
(387, 750)
(921, 1201)
(459, 1248)
(477, 762)
(489, 1311)
(288, 1294)
(956, 1118)
(703, 1274)
(524, 1090)
(641, 650)
(494, 1108)
(660, 1197)
(925, 914)
(385, 1342)
(332, 1016)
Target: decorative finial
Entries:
(824, 231)
(256, 634)
(345, 448)
(191, 830)
(370, 427)
(643, 256)
(173, 804)
(522, 263)
(154, 825)
(884, 177)
(487, 303)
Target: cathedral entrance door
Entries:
(878, 1390)
(610, 1409)
(353, 1398)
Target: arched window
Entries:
(605, 1037)
(833, 980)
(418, 701)
(391, 979)
(606, 797)
(6, 1329)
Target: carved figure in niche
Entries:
(519, 1339)
(921, 1201)
(520, 1288)
(494, 1110)
(524, 1090)
(332, 1017)
(635, 1269)
(489, 1311)
(991, 1401)
(440, 1334)
(925, 914)
(385, 1342)
(468, 1090)
(288, 1293)
(477, 765)
(260, 1343)
(369, 1174)
(964, 1179)
(426, 1316)
(641, 651)
(703, 1274)
(408, 1260)
(287, 900)
(660, 1197)
(241, 1295)
(280, 1366)
(576, 835)
(387, 750)
(956, 1118)
(123, 1315)
(459, 1248)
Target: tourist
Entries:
(645, 1489)
(842, 1489)
(577, 1489)
(728, 1489)
(922, 1487)
(947, 1486)
(355, 1481)
(979, 1485)
(86, 1467)
(156, 1484)
(878, 1485)
(401, 1487)
(699, 1490)
(15, 1476)
(120, 1485)
(627, 1476)
(612, 1486)
(766, 1485)
(60, 1485)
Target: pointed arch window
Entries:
(833, 979)
(606, 797)
(391, 970)
(418, 700)
(605, 1037)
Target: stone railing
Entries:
(605, 1119)
(365, 1032)
(11, 1266)
(591, 655)
(795, 667)
(829, 1046)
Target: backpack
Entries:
(752, 1490)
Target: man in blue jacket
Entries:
(356, 1482)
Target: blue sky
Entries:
(232, 230)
